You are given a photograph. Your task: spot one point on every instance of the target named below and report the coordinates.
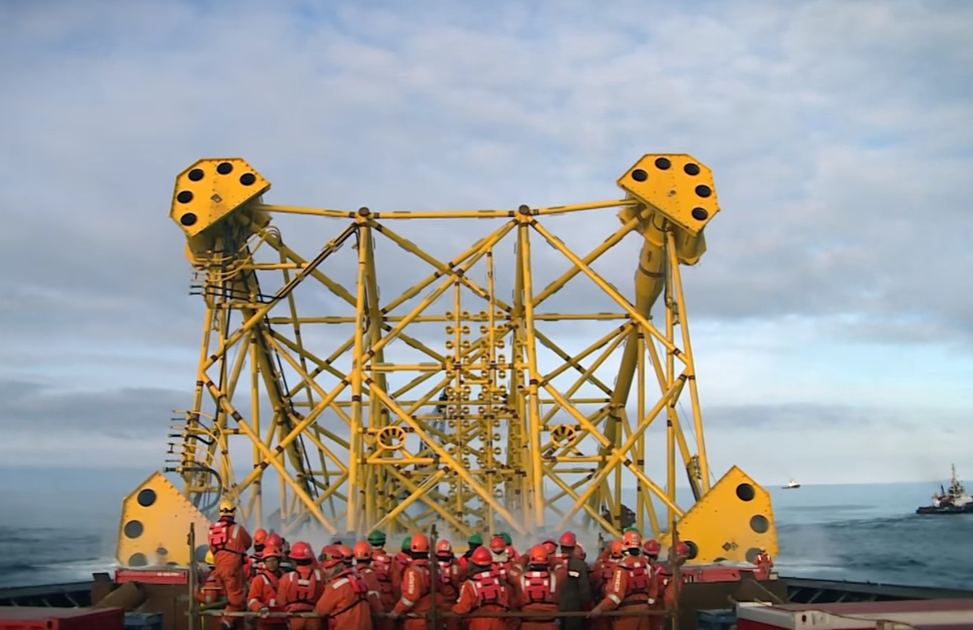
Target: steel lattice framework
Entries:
(476, 433)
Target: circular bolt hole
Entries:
(691, 169)
(700, 214)
(662, 163)
(147, 497)
(195, 175)
(639, 175)
(188, 219)
(137, 560)
(184, 197)
(703, 191)
(133, 529)
(200, 553)
(693, 549)
(752, 554)
(745, 492)
(247, 179)
(162, 551)
(759, 523)
(224, 168)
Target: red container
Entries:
(927, 614)
(41, 618)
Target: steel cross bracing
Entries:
(473, 430)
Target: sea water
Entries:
(61, 527)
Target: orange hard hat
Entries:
(651, 548)
(539, 555)
(632, 540)
(301, 551)
(444, 549)
(270, 552)
(497, 545)
(363, 551)
(419, 544)
(616, 549)
(568, 539)
(274, 540)
(481, 557)
(260, 537)
(346, 554)
(682, 549)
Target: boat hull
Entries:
(946, 509)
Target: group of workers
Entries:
(349, 588)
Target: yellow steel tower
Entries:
(311, 379)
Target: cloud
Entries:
(839, 135)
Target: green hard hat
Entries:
(632, 529)
(507, 540)
(475, 539)
(407, 543)
(376, 538)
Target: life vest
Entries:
(272, 578)
(489, 588)
(382, 566)
(219, 535)
(445, 573)
(638, 579)
(539, 587)
(303, 590)
(502, 570)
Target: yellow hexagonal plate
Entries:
(210, 190)
(156, 519)
(677, 185)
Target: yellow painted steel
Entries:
(734, 521)
(154, 524)
(475, 431)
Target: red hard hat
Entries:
(444, 549)
(275, 540)
(481, 557)
(260, 537)
(632, 540)
(301, 551)
(539, 555)
(419, 544)
(270, 552)
(550, 545)
(651, 547)
(568, 539)
(497, 545)
(682, 549)
(616, 549)
(363, 551)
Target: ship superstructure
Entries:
(951, 500)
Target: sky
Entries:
(830, 317)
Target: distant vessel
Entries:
(953, 500)
(791, 485)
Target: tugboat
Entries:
(953, 500)
(791, 485)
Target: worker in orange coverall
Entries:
(263, 590)
(229, 542)
(502, 564)
(345, 602)
(632, 587)
(484, 591)
(399, 562)
(765, 565)
(416, 585)
(671, 588)
(451, 577)
(651, 550)
(252, 563)
(601, 576)
(363, 564)
(537, 590)
(300, 590)
(209, 590)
